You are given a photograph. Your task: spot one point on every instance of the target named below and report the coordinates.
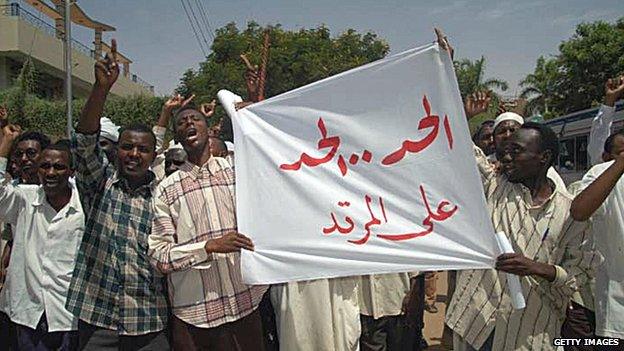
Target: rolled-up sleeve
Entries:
(166, 254)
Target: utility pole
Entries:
(68, 67)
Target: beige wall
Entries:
(18, 37)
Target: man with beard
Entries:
(118, 297)
(195, 242)
(49, 222)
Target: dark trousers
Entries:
(383, 334)
(101, 339)
(580, 323)
(7, 333)
(397, 332)
(241, 335)
(40, 339)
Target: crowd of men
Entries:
(118, 243)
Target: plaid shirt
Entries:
(113, 285)
(192, 206)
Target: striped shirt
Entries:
(192, 206)
(114, 285)
(545, 233)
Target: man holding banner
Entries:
(554, 254)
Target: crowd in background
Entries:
(118, 240)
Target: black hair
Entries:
(477, 133)
(138, 128)
(42, 139)
(188, 107)
(548, 139)
(608, 145)
(63, 145)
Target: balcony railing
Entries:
(14, 9)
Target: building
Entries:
(36, 28)
(573, 131)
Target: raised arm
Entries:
(106, 74)
(601, 124)
(90, 166)
(597, 189)
(11, 199)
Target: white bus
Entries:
(573, 131)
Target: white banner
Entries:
(369, 171)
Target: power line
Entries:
(202, 12)
(193, 27)
(199, 26)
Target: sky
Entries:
(157, 35)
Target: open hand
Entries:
(107, 69)
(614, 90)
(477, 103)
(208, 109)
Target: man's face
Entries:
(503, 132)
(191, 130)
(173, 160)
(485, 139)
(54, 171)
(109, 147)
(522, 158)
(27, 155)
(616, 148)
(135, 153)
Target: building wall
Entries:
(18, 37)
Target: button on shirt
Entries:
(192, 206)
(45, 243)
(114, 285)
(608, 229)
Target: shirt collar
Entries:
(72, 206)
(145, 189)
(210, 168)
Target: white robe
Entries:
(317, 315)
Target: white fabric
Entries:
(229, 145)
(375, 108)
(318, 315)
(45, 244)
(608, 229)
(599, 132)
(508, 116)
(108, 129)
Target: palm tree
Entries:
(540, 87)
(471, 78)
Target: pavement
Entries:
(434, 322)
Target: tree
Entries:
(296, 58)
(574, 79)
(540, 88)
(594, 54)
(471, 79)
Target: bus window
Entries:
(581, 153)
(566, 155)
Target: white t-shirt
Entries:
(608, 229)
